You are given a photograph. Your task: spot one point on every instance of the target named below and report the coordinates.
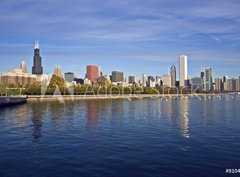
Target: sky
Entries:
(134, 36)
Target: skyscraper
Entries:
(218, 84)
(144, 80)
(231, 84)
(183, 70)
(37, 61)
(173, 76)
(69, 77)
(167, 80)
(93, 72)
(23, 66)
(158, 81)
(207, 80)
(131, 79)
(196, 83)
(237, 84)
(151, 82)
(225, 78)
(225, 85)
(58, 71)
(117, 76)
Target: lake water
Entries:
(121, 138)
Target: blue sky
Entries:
(134, 36)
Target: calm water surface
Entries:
(116, 138)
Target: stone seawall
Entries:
(8, 101)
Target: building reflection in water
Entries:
(105, 109)
(92, 114)
(173, 113)
(57, 110)
(206, 111)
(96, 109)
(184, 117)
(37, 117)
(21, 116)
(119, 109)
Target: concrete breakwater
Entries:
(9, 101)
(120, 96)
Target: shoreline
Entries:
(126, 96)
(11, 101)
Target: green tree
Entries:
(102, 81)
(34, 89)
(55, 82)
(2, 89)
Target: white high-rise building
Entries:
(183, 71)
(207, 79)
(144, 80)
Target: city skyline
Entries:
(182, 68)
(137, 37)
(119, 88)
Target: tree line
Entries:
(102, 86)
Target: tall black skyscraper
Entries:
(37, 61)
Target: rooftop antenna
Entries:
(37, 44)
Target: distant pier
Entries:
(9, 101)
